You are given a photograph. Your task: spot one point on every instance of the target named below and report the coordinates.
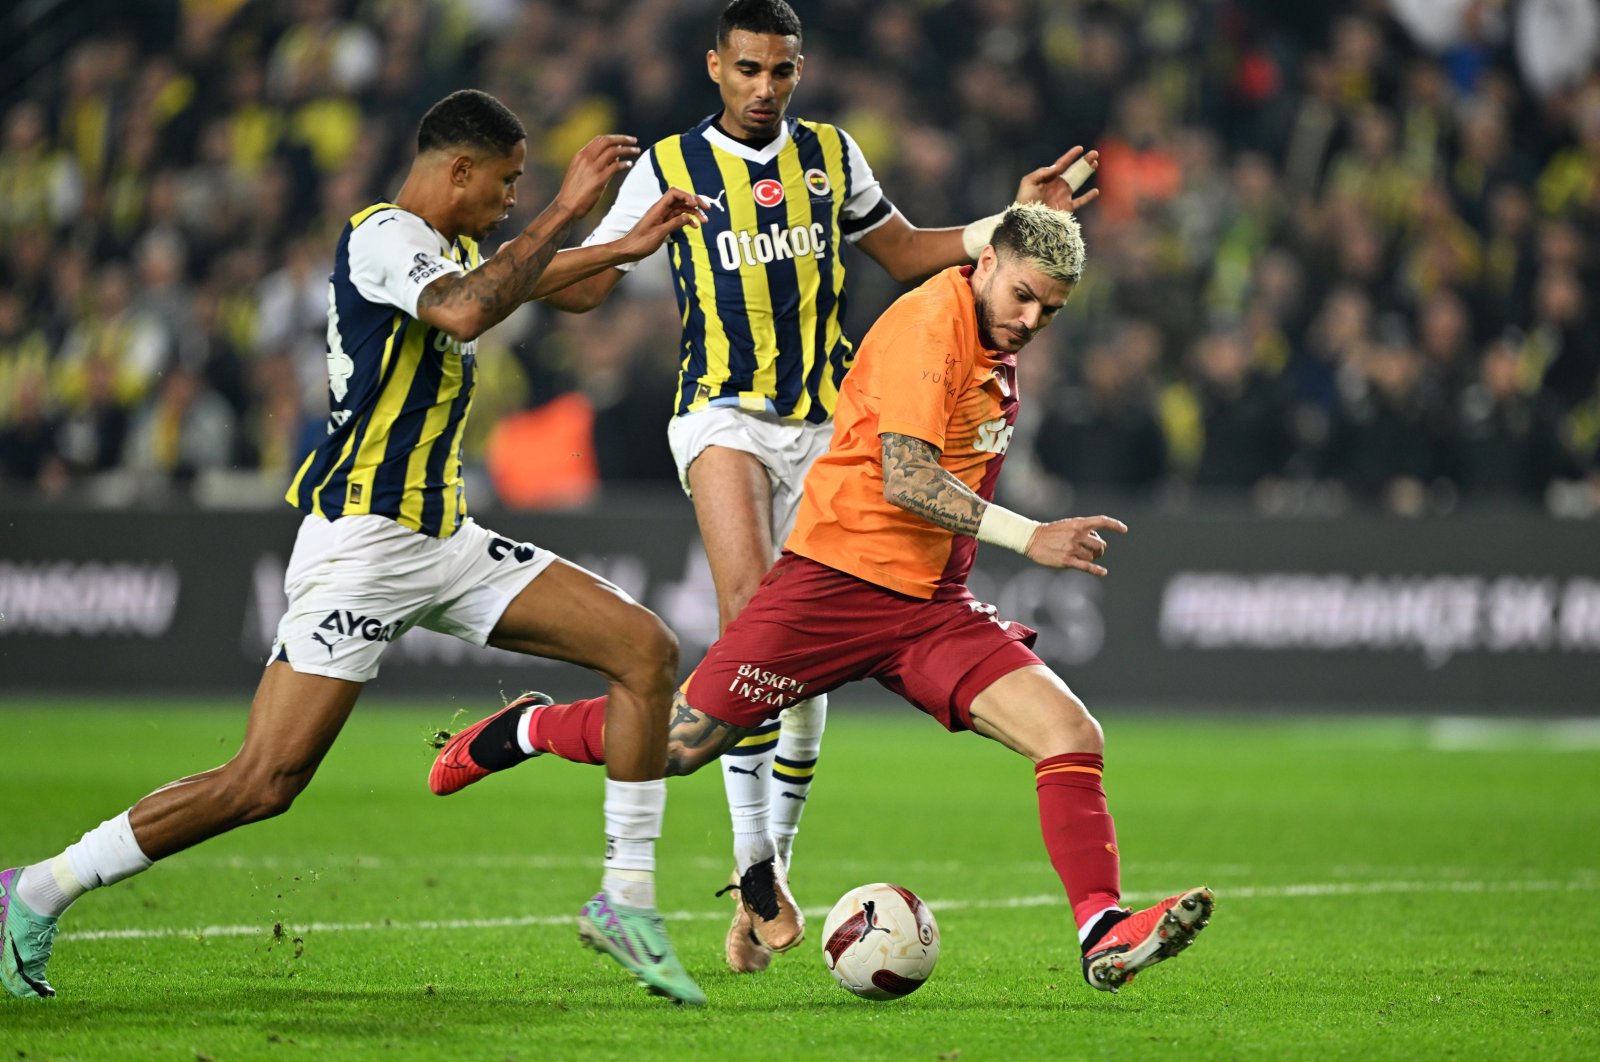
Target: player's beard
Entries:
(991, 330)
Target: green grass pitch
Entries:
(1386, 888)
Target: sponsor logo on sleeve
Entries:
(425, 267)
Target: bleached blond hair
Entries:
(1047, 239)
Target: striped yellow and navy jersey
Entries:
(398, 389)
(761, 286)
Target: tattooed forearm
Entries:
(914, 480)
(487, 295)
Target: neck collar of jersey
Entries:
(723, 142)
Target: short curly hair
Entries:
(1046, 238)
(758, 16)
(470, 118)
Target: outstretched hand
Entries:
(592, 168)
(1052, 185)
(676, 209)
(1074, 543)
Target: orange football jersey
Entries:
(922, 372)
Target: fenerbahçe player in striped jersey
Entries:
(385, 544)
(762, 353)
(760, 286)
(399, 389)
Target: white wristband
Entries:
(975, 237)
(1002, 527)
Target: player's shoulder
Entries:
(383, 228)
(937, 305)
(803, 129)
(696, 132)
(946, 290)
(380, 214)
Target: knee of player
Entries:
(1078, 729)
(642, 654)
(1059, 726)
(650, 647)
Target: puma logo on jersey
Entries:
(717, 202)
(774, 245)
(994, 436)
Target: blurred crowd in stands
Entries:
(1346, 256)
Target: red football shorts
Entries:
(810, 629)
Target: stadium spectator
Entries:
(1104, 432)
(1507, 443)
(185, 429)
(1407, 153)
(1387, 444)
(28, 452)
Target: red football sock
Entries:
(575, 731)
(1078, 832)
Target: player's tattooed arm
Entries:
(694, 739)
(914, 480)
(468, 304)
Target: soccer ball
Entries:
(880, 941)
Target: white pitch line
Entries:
(1225, 893)
(313, 865)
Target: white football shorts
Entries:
(357, 583)
(786, 447)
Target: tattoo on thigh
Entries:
(695, 738)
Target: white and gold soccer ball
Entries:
(880, 941)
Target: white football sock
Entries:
(524, 723)
(633, 811)
(745, 771)
(103, 856)
(799, 741)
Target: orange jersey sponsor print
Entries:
(921, 371)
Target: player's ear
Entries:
(461, 170)
(988, 261)
(714, 65)
(799, 66)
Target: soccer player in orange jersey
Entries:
(873, 580)
(761, 292)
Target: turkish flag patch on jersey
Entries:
(767, 192)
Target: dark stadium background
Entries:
(1335, 359)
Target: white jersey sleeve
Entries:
(637, 193)
(866, 207)
(394, 255)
